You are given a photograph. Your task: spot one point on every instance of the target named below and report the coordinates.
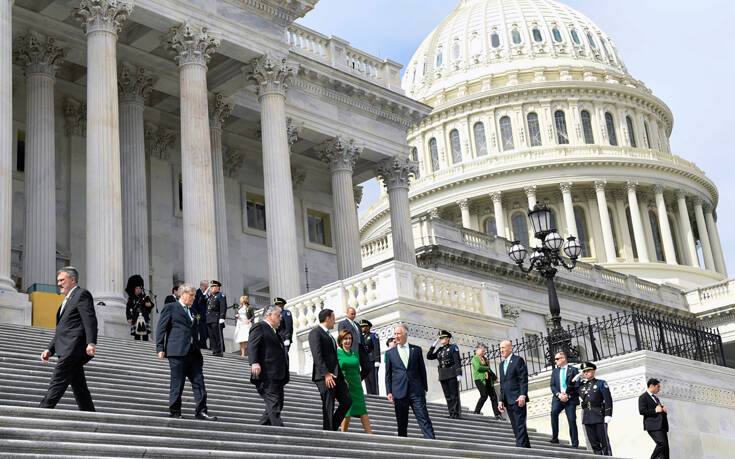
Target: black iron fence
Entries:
(610, 336)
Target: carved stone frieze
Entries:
(158, 140)
(103, 15)
(134, 83)
(38, 54)
(396, 172)
(340, 153)
(511, 312)
(190, 44)
(220, 112)
(271, 74)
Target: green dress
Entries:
(349, 362)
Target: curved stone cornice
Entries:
(38, 54)
(341, 154)
(190, 44)
(134, 83)
(396, 172)
(220, 112)
(103, 15)
(271, 74)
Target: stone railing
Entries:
(375, 250)
(338, 53)
(715, 296)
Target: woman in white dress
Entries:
(244, 316)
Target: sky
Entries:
(682, 50)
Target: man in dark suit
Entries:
(173, 296)
(372, 346)
(514, 392)
(326, 372)
(285, 328)
(358, 344)
(216, 311)
(565, 397)
(655, 419)
(75, 342)
(269, 367)
(406, 383)
(176, 339)
(199, 310)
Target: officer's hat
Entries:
(366, 323)
(279, 301)
(215, 283)
(588, 366)
(444, 334)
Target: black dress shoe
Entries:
(554, 440)
(175, 415)
(205, 417)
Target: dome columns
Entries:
(502, 228)
(607, 234)
(663, 224)
(704, 237)
(685, 227)
(714, 235)
(636, 222)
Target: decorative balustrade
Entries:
(712, 297)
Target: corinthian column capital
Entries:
(134, 83)
(158, 140)
(220, 112)
(190, 44)
(600, 185)
(293, 131)
(38, 54)
(271, 74)
(357, 192)
(396, 172)
(496, 196)
(103, 15)
(341, 154)
(75, 117)
(233, 160)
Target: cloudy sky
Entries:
(682, 50)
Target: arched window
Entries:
(495, 40)
(630, 231)
(516, 36)
(589, 136)
(591, 40)
(557, 35)
(614, 233)
(575, 37)
(415, 157)
(434, 150)
(520, 228)
(560, 121)
(631, 132)
(537, 35)
(604, 47)
(490, 226)
(480, 141)
(610, 124)
(656, 235)
(534, 132)
(675, 238)
(439, 57)
(456, 146)
(648, 134)
(582, 233)
(506, 133)
(424, 69)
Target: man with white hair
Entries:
(514, 392)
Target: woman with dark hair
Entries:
(138, 308)
(349, 362)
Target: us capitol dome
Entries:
(532, 103)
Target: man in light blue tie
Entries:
(565, 397)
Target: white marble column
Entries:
(464, 208)
(502, 228)
(75, 125)
(566, 195)
(134, 83)
(635, 217)
(714, 238)
(685, 227)
(626, 245)
(6, 141)
(39, 57)
(704, 239)
(272, 75)
(341, 155)
(608, 240)
(396, 174)
(220, 112)
(667, 238)
(531, 195)
(101, 20)
(193, 47)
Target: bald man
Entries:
(514, 392)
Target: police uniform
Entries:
(372, 346)
(285, 328)
(450, 367)
(216, 310)
(596, 405)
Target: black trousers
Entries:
(486, 389)
(597, 435)
(451, 394)
(272, 394)
(332, 419)
(371, 380)
(215, 338)
(557, 406)
(69, 370)
(418, 406)
(183, 368)
(202, 332)
(517, 416)
(139, 337)
(661, 451)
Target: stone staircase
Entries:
(129, 385)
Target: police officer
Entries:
(597, 406)
(285, 329)
(372, 346)
(450, 371)
(216, 310)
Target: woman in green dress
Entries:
(349, 362)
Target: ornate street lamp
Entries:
(545, 259)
